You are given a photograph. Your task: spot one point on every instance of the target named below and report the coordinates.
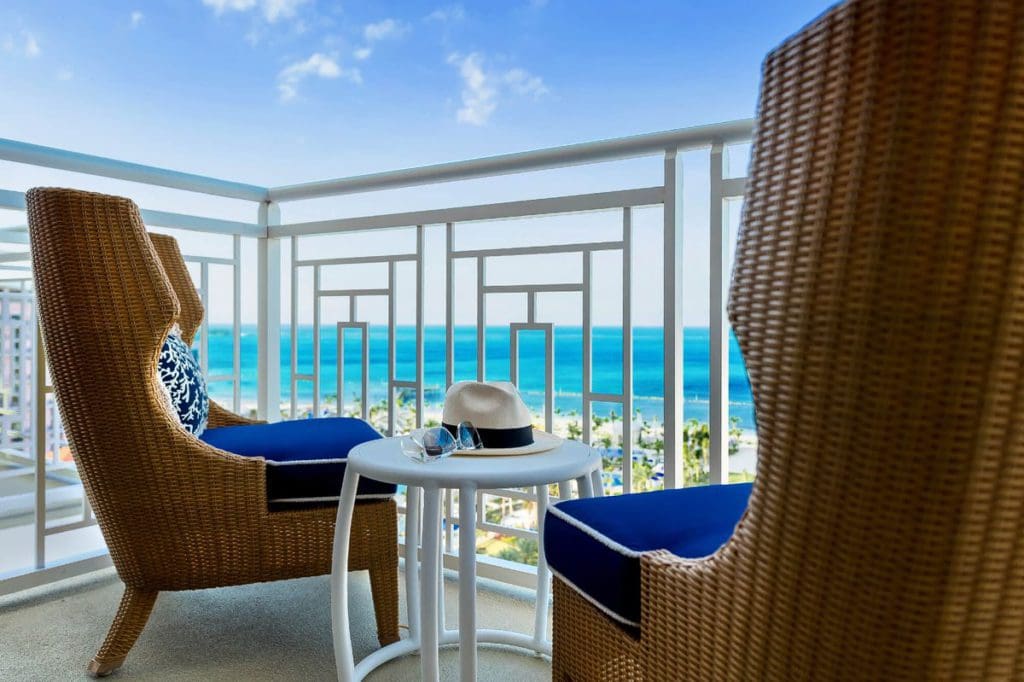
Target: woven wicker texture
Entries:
(576, 628)
(878, 298)
(175, 512)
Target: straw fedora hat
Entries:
(497, 411)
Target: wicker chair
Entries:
(176, 513)
(878, 298)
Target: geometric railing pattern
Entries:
(265, 228)
(203, 287)
(352, 297)
(584, 286)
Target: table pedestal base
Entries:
(423, 574)
(446, 639)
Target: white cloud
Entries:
(481, 89)
(221, 6)
(27, 46)
(280, 9)
(31, 45)
(449, 13)
(272, 10)
(385, 29)
(478, 93)
(522, 82)
(65, 75)
(318, 65)
(137, 18)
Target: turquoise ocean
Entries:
(607, 366)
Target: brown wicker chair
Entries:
(878, 297)
(176, 513)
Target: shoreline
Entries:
(432, 413)
(606, 433)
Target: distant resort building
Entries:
(17, 432)
(17, 332)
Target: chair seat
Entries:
(305, 458)
(594, 544)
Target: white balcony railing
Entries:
(357, 296)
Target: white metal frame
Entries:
(203, 286)
(723, 188)
(390, 293)
(383, 460)
(269, 230)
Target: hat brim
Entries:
(542, 442)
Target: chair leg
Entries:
(132, 614)
(384, 588)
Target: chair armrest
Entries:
(220, 416)
(181, 514)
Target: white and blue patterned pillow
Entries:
(184, 383)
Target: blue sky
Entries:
(282, 91)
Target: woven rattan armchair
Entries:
(878, 298)
(176, 513)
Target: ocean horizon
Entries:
(606, 366)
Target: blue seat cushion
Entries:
(305, 458)
(594, 544)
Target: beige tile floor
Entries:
(274, 631)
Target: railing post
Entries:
(449, 308)
(392, 344)
(421, 283)
(673, 318)
(39, 440)
(627, 349)
(204, 326)
(718, 409)
(269, 316)
(236, 322)
(293, 274)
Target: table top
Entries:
(384, 460)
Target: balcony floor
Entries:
(256, 632)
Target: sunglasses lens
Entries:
(469, 437)
(438, 442)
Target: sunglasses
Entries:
(429, 445)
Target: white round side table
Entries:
(384, 460)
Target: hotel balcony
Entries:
(877, 293)
(605, 307)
